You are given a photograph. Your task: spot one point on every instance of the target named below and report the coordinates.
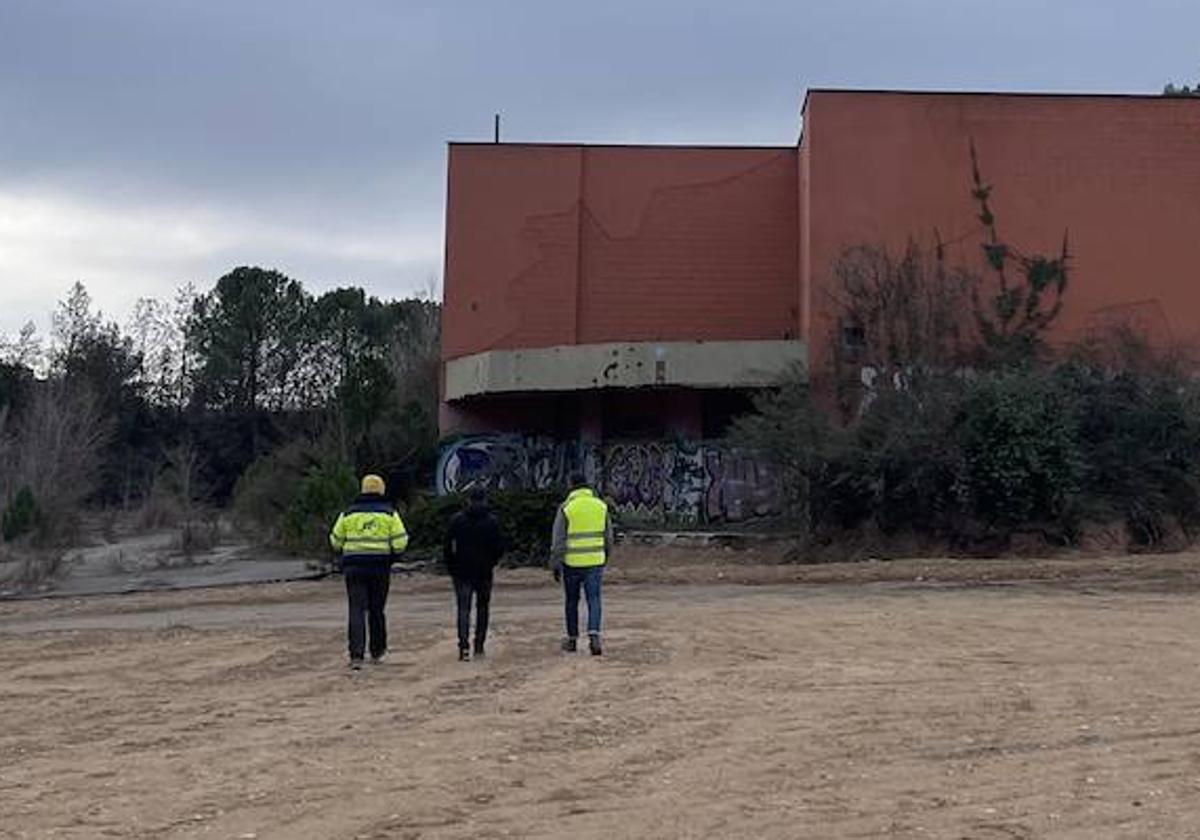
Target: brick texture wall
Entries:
(564, 244)
(1120, 175)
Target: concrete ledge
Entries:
(702, 539)
(692, 364)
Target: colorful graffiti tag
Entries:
(647, 482)
(508, 462)
(654, 482)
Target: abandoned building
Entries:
(612, 307)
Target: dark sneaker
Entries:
(569, 645)
(479, 654)
(380, 659)
(594, 645)
(356, 664)
(464, 655)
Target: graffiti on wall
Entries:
(680, 483)
(655, 482)
(509, 462)
(739, 488)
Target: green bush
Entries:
(324, 492)
(788, 430)
(971, 459)
(902, 459)
(1139, 433)
(264, 491)
(1020, 449)
(20, 516)
(967, 461)
(526, 519)
(291, 496)
(427, 520)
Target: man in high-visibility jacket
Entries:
(369, 535)
(582, 544)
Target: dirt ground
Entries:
(1055, 699)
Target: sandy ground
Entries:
(1060, 701)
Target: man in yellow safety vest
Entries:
(369, 535)
(582, 543)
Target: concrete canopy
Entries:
(694, 364)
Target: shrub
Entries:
(1021, 458)
(526, 520)
(1139, 433)
(290, 497)
(324, 492)
(972, 459)
(20, 516)
(427, 520)
(160, 508)
(792, 433)
(36, 566)
(903, 457)
(263, 492)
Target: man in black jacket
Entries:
(473, 547)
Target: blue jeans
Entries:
(589, 580)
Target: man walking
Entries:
(369, 535)
(582, 543)
(474, 545)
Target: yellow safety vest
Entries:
(370, 531)
(587, 518)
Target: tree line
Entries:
(254, 393)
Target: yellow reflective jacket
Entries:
(582, 531)
(369, 533)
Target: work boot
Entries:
(569, 645)
(594, 644)
(464, 655)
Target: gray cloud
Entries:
(147, 143)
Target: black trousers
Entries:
(481, 589)
(366, 593)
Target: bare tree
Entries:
(59, 443)
(900, 319)
(158, 331)
(416, 348)
(183, 465)
(25, 350)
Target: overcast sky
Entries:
(147, 143)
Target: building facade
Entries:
(599, 298)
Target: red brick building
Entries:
(639, 292)
(573, 257)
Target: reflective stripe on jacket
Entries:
(587, 525)
(370, 531)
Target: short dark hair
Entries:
(578, 479)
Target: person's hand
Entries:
(557, 573)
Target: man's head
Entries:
(372, 485)
(578, 479)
